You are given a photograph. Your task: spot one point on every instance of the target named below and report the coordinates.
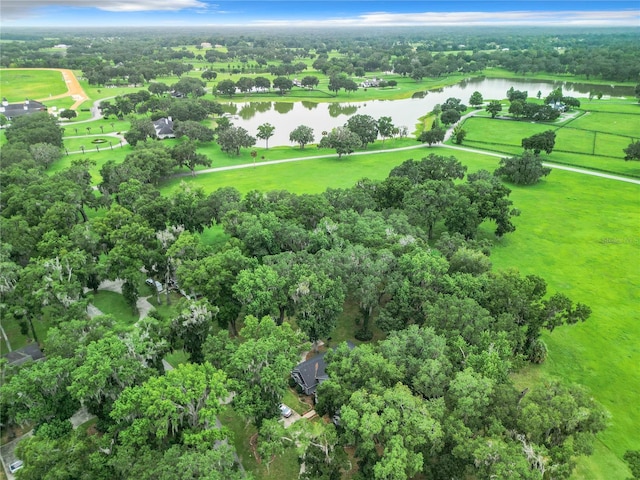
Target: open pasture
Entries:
(600, 146)
(313, 176)
(16, 85)
(510, 132)
(580, 233)
(575, 140)
(612, 145)
(615, 105)
(614, 123)
(596, 162)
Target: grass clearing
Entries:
(16, 338)
(16, 85)
(112, 303)
(581, 239)
(292, 399)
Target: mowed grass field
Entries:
(16, 85)
(594, 139)
(580, 233)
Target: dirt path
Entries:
(74, 90)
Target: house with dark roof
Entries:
(164, 128)
(13, 110)
(311, 373)
(29, 353)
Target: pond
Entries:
(286, 116)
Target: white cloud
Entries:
(15, 9)
(469, 19)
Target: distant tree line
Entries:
(131, 59)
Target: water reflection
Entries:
(283, 107)
(286, 116)
(309, 105)
(337, 109)
(249, 110)
(230, 108)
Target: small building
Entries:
(164, 128)
(29, 353)
(311, 373)
(374, 82)
(13, 110)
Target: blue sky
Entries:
(318, 13)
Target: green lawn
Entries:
(583, 239)
(312, 176)
(596, 162)
(112, 303)
(292, 400)
(575, 140)
(16, 85)
(611, 145)
(616, 123)
(594, 140)
(16, 338)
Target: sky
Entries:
(318, 13)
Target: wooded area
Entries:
(402, 265)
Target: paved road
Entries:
(582, 171)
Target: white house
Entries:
(164, 128)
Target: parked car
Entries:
(285, 411)
(154, 283)
(15, 466)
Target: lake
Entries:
(286, 116)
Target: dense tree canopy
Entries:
(35, 128)
(404, 258)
